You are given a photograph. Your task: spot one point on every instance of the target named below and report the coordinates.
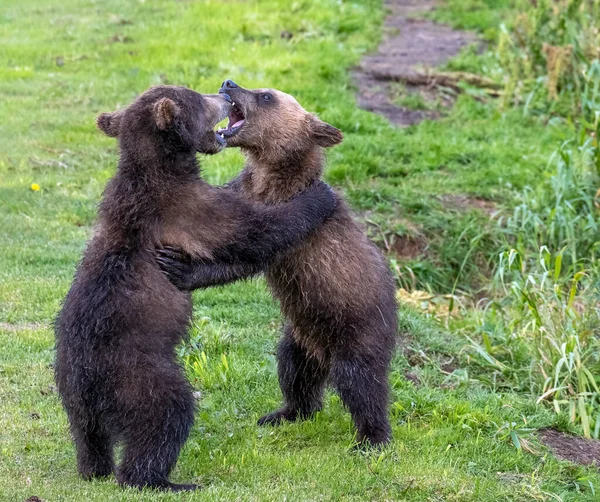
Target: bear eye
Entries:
(267, 97)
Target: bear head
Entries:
(273, 124)
(166, 120)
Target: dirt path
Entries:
(409, 44)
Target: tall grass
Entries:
(562, 212)
(548, 53)
(541, 332)
(543, 336)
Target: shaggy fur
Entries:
(336, 291)
(116, 368)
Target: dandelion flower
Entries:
(35, 187)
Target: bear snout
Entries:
(229, 84)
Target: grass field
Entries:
(464, 423)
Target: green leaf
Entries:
(590, 378)
(585, 422)
(557, 266)
(515, 440)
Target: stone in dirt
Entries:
(575, 449)
(409, 44)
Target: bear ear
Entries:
(110, 123)
(324, 134)
(165, 111)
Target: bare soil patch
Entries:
(408, 247)
(575, 449)
(409, 48)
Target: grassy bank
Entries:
(438, 197)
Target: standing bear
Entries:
(336, 290)
(116, 368)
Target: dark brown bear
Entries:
(336, 290)
(116, 368)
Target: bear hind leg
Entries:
(94, 449)
(152, 446)
(363, 387)
(302, 379)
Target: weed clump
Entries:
(542, 337)
(548, 53)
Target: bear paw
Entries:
(278, 417)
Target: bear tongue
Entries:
(237, 124)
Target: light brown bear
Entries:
(336, 290)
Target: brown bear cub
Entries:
(336, 290)
(116, 367)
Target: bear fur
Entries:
(336, 291)
(116, 368)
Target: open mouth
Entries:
(235, 123)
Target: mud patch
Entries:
(408, 244)
(409, 46)
(408, 247)
(574, 449)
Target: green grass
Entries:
(64, 62)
